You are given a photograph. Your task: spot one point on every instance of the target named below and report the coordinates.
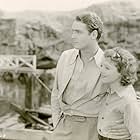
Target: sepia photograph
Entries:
(69, 70)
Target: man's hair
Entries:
(92, 21)
(125, 63)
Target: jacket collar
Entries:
(74, 56)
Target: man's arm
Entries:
(131, 120)
(55, 106)
(119, 129)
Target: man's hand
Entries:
(119, 129)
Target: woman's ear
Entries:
(94, 34)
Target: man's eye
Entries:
(101, 65)
(78, 32)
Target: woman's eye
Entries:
(107, 68)
(78, 32)
(101, 65)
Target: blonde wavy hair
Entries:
(126, 64)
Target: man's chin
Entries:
(76, 47)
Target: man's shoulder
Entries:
(70, 53)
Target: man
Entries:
(75, 100)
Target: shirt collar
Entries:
(98, 56)
(126, 91)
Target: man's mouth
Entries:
(75, 42)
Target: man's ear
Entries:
(94, 34)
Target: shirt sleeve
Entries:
(55, 106)
(132, 119)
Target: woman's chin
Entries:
(105, 81)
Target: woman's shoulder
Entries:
(129, 95)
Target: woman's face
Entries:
(109, 72)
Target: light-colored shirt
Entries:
(77, 96)
(120, 105)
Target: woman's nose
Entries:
(101, 70)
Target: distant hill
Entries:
(110, 12)
(121, 20)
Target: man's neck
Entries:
(89, 52)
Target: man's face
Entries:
(81, 38)
(109, 72)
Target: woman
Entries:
(118, 71)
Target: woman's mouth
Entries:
(103, 76)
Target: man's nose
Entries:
(73, 35)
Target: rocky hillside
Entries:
(121, 27)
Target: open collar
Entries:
(124, 92)
(98, 56)
(74, 56)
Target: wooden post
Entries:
(28, 91)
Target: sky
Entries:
(47, 5)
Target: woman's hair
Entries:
(92, 21)
(125, 63)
